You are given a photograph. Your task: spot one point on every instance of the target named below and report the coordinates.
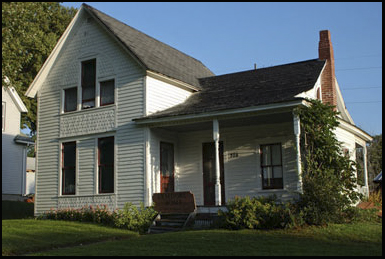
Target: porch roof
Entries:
(263, 87)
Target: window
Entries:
(106, 164)
(360, 165)
(70, 99)
(3, 116)
(107, 90)
(68, 168)
(271, 164)
(88, 83)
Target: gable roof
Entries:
(251, 88)
(152, 54)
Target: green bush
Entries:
(258, 213)
(130, 217)
(135, 219)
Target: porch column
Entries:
(218, 201)
(297, 133)
(366, 170)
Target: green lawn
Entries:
(348, 239)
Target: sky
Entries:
(229, 37)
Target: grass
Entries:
(77, 239)
(30, 235)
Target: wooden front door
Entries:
(208, 151)
(166, 167)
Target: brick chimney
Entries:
(328, 85)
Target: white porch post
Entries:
(297, 133)
(366, 170)
(218, 201)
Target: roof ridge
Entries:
(262, 68)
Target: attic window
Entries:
(107, 89)
(88, 83)
(319, 94)
(70, 99)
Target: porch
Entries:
(219, 158)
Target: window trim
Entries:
(100, 191)
(63, 168)
(273, 186)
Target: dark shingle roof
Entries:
(249, 88)
(155, 55)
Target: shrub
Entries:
(258, 213)
(130, 217)
(135, 219)
(328, 176)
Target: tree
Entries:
(328, 174)
(30, 31)
(375, 159)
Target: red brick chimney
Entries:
(325, 52)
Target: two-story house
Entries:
(14, 147)
(122, 116)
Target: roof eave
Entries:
(148, 121)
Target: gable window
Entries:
(107, 92)
(3, 116)
(70, 99)
(106, 164)
(271, 165)
(88, 83)
(68, 168)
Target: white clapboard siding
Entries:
(242, 174)
(161, 95)
(89, 40)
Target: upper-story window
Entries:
(107, 92)
(88, 83)
(70, 99)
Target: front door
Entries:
(208, 151)
(166, 167)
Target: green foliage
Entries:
(30, 31)
(130, 217)
(257, 213)
(135, 219)
(328, 174)
(375, 159)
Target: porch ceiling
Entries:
(250, 120)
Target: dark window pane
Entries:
(88, 83)
(106, 164)
(107, 92)
(106, 174)
(69, 181)
(70, 99)
(68, 168)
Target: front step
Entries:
(169, 223)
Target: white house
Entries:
(122, 116)
(14, 146)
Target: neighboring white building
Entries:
(14, 146)
(122, 116)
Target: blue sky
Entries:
(230, 37)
